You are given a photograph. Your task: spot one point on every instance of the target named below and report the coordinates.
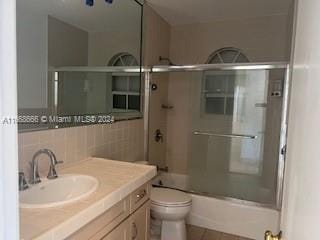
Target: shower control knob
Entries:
(158, 137)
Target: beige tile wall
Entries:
(261, 39)
(157, 39)
(121, 141)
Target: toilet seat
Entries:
(170, 205)
(169, 198)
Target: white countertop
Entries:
(116, 181)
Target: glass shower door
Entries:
(235, 134)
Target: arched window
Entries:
(125, 86)
(219, 86)
(227, 55)
(123, 59)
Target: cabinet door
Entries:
(102, 225)
(140, 223)
(122, 232)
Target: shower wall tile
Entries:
(179, 122)
(119, 141)
(262, 39)
(157, 43)
(157, 37)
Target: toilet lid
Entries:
(169, 197)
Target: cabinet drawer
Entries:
(122, 232)
(104, 223)
(139, 197)
(140, 223)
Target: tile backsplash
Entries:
(120, 141)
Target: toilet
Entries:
(170, 208)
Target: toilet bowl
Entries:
(171, 207)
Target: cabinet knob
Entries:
(141, 195)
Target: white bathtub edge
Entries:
(233, 218)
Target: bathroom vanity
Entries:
(118, 210)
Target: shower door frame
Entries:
(242, 66)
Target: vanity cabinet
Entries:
(136, 227)
(127, 220)
(140, 223)
(122, 232)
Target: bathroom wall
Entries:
(67, 44)
(102, 47)
(121, 141)
(31, 41)
(157, 38)
(261, 39)
(290, 29)
(50, 42)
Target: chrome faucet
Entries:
(23, 185)
(35, 166)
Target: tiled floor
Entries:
(197, 233)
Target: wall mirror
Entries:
(72, 60)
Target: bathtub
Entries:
(225, 215)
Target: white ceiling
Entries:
(101, 17)
(177, 12)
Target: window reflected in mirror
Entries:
(61, 43)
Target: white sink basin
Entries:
(63, 190)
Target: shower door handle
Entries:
(225, 135)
